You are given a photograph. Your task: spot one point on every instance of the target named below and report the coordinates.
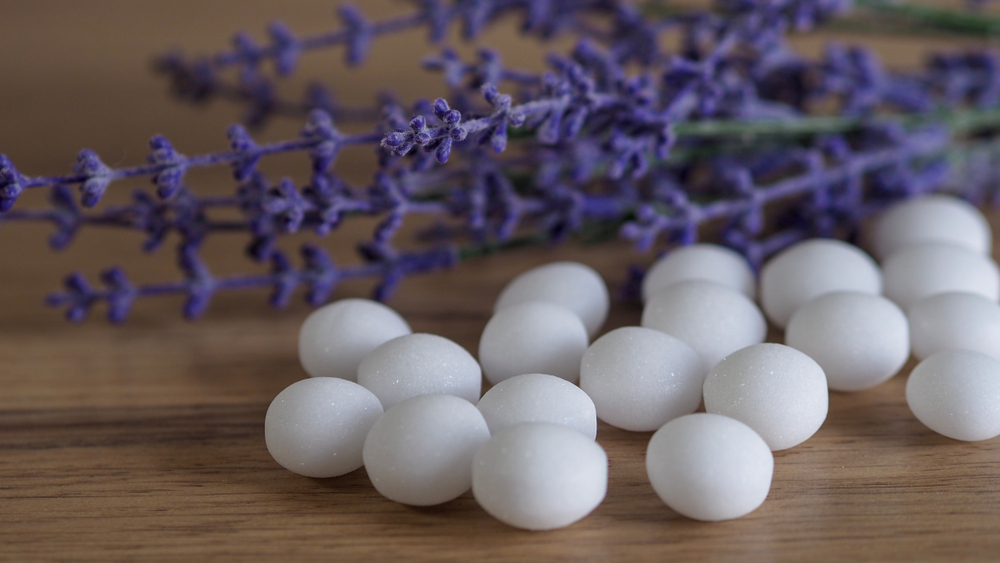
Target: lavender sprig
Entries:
(621, 131)
(166, 166)
(319, 275)
(829, 198)
(199, 79)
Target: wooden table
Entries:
(145, 442)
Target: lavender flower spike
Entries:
(490, 129)
(166, 166)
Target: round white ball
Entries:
(420, 364)
(932, 218)
(808, 269)
(948, 321)
(573, 285)
(539, 476)
(640, 378)
(700, 262)
(709, 467)
(534, 337)
(336, 337)
(317, 427)
(956, 393)
(420, 451)
(778, 391)
(537, 397)
(713, 319)
(920, 271)
(859, 340)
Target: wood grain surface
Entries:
(145, 441)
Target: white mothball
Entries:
(709, 467)
(336, 337)
(420, 364)
(317, 427)
(700, 262)
(539, 476)
(573, 285)
(932, 218)
(956, 393)
(920, 271)
(859, 340)
(778, 391)
(713, 319)
(640, 378)
(420, 451)
(534, 337)
(811, 268)
(955, 320)
(537, 397)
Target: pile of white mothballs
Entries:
(408, 406)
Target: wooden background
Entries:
(145, 441)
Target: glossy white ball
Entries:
(640, 378)
(317, 427)
(931, 218)
(859, 340)
(420, 451)
(956, 393)
(573, 285)
(700, 262)
(537, 397)
(810, 268)
(420, 364)
(713, 319)
(777, 390)
(917, 272)
(539, 476)
(709, 467)
(533, 337)
(336, 337)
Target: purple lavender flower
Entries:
(619, 136)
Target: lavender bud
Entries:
(440, 108)
(444, 150)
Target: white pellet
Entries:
(537, 397)
(533, 337)
(420, 451)
(336, 337)
(420, 364)
(713, 319)
(709, 467)
(317, 427)
(700, 262)
(778, 391)
(573, 285)
(640, 378)
(811, 268)
(539, 476)
(956, 393)
(932, 218)
(859, 340)
(919, 271)
(960, 320)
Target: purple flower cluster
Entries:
(619, 136)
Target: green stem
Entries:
(958, 121)
(486, 249)
(934, 17)
(892, 16)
